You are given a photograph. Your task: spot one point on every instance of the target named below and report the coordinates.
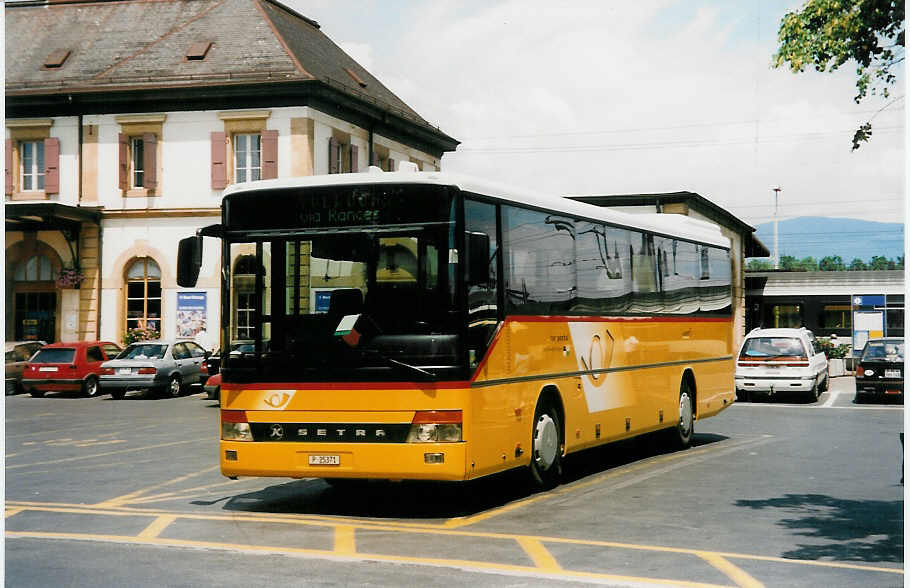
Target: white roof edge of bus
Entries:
(669, 224)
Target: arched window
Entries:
(143, 295)
(35, 269)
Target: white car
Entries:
(775, 361)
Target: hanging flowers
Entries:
(70, 277)
(140, 334)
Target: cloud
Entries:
(624, 97)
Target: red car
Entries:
(67, 367)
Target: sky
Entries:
(610, 97)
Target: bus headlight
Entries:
(234, 426)
(435, 426)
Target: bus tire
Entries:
(685, 427)
(546, 446)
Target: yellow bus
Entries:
(421, 325)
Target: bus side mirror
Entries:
(478, 271)
(189, 260)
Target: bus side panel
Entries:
(647, 357)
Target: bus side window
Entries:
(483, 311)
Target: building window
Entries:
(244, 289)
(247, 157)
(836, 316)
(35, 269)
(137, 162)
(143, 295)
(783, 316)
(32, 158)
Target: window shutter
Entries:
(150, 161)
(219, 171)
(52, 165)
(334, 164)
(355, 163)
(124, 167)
(269, 154)
(9, 165)
(391, 164)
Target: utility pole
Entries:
(776, 247)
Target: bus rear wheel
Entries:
(546, 447)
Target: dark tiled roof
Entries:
(130, 44)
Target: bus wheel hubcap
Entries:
(546, 442)
(685, 413)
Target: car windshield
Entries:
(772, 347)
(889, 350)
(55, 355)
(143, 351)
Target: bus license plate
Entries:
(892, 373)
(323, 460)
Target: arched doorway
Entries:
(35, 300)
(143, 295)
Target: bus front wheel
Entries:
(685, 428)
(546, 447)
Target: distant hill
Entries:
(819, 237)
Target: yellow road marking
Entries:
(326, 521)
(345, 543)
(132, 495)
(105, 454)
(465, 521)
(542, 558)
(458, 563)
(157, 526)
(736, 574)
(11, 511)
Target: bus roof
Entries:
(673, 225)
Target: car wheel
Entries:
(118, 394)
(685, 428)
(813, 394)
(546, 446)
(826, 383)
(173, 386)
(11, 388)
(91, 387)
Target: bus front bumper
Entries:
(398, 461)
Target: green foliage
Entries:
(826, 34)
(756, 264)
(829, 263)
(833, 351)
(806, 264)
(857, 265)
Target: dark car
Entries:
(165, 366)
(213, 362)
(67, 367)
(17, 355)
(880, 371)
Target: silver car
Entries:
(168, 367)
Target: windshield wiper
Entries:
(396, 363)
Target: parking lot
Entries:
(779, 492)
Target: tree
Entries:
(828, 33)
(788, 263)
(880, 262)
(857, 265)
(808, 264)
(759, 265)
(831, 263)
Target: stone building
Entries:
(125, 120)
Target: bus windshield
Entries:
(360, 299)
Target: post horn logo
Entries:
(600, 354)
(278, 399)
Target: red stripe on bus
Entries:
(618, 319)
(271, 386)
